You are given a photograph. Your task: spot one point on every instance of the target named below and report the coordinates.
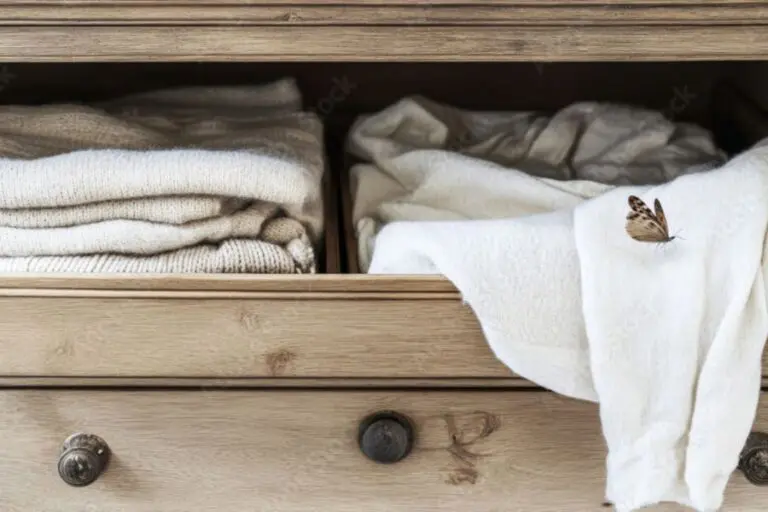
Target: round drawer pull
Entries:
(753, 460)
(386, 437)
(83, 458)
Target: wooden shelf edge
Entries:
(214, 384)
(381, 43)
(226, 285)
(303, 13)
(219, 384)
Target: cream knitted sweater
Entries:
(223, 179)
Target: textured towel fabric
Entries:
(676, 332)
(159, 171)
(666, 337)
(520, 278)
(595, 142)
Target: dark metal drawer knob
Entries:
(83, 458)
(753, 460)
(386, 437)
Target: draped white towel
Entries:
(667, 338)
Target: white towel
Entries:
(606, 143)
(667, 338)
(676, 332)
(520, 278)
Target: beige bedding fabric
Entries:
(152, 173)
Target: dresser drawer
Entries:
(371, 331)
(341, 325)
(233, 332)
(298, 451)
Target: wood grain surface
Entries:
(283, 336)
(68, 337)
(406, 43)
(297, 451)
(374, 13)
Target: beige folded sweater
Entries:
(157, 172)
(232, 256)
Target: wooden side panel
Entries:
(297, 451)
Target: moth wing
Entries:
(638, 205)
(660, 217)
(643, 228)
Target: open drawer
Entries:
(730, 103)
(337, 327)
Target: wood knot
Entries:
(278, 361)
(465, 431)
(66, 348)
(291, 17)
(463, 476)
(249, 320)
(517, 46)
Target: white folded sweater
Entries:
(157, 172)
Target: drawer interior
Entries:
(726, 97)
(234, 326)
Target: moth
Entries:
(644, 225)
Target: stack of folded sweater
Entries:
(195, 179)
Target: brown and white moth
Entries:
(644, 225)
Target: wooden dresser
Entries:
(338, 391)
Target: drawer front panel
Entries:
(233, 338)
(55, 337)
(297, 451)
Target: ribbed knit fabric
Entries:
(232, 256)
(154, 175)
